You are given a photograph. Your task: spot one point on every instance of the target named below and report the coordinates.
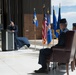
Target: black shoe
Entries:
(41, 70)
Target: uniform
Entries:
(48, 51)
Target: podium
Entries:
(7, 40)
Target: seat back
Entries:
(69, 40)
(75, 44)
(70, 44)
(65, 54)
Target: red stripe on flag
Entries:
(44, 32)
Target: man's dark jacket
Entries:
(62, 37)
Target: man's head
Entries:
(63, 24)
(74, 26)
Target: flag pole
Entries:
(35, 22)
(53, 36)
(47, 27)
(59, 5)
(53, 30)
(34, 33)
(35, 36)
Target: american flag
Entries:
(44, 31)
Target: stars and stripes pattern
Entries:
(44, 31)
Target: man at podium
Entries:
(13, 28)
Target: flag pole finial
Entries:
(43, 5)
(59, 5)
(53, 6)
(48, 11)
(34, 9)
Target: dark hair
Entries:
(63, 21)
(74, 24)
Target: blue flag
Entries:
(55, 24)
(59, 17)
(49, 36)
(48, 19)
(35, 21)
(49, 33)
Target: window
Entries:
(68, 10)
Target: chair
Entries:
(75, 49)
(75, 58)
(64, 54)
(73, 63)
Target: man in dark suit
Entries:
(13, 28)
(74, 26)
(44, 53)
